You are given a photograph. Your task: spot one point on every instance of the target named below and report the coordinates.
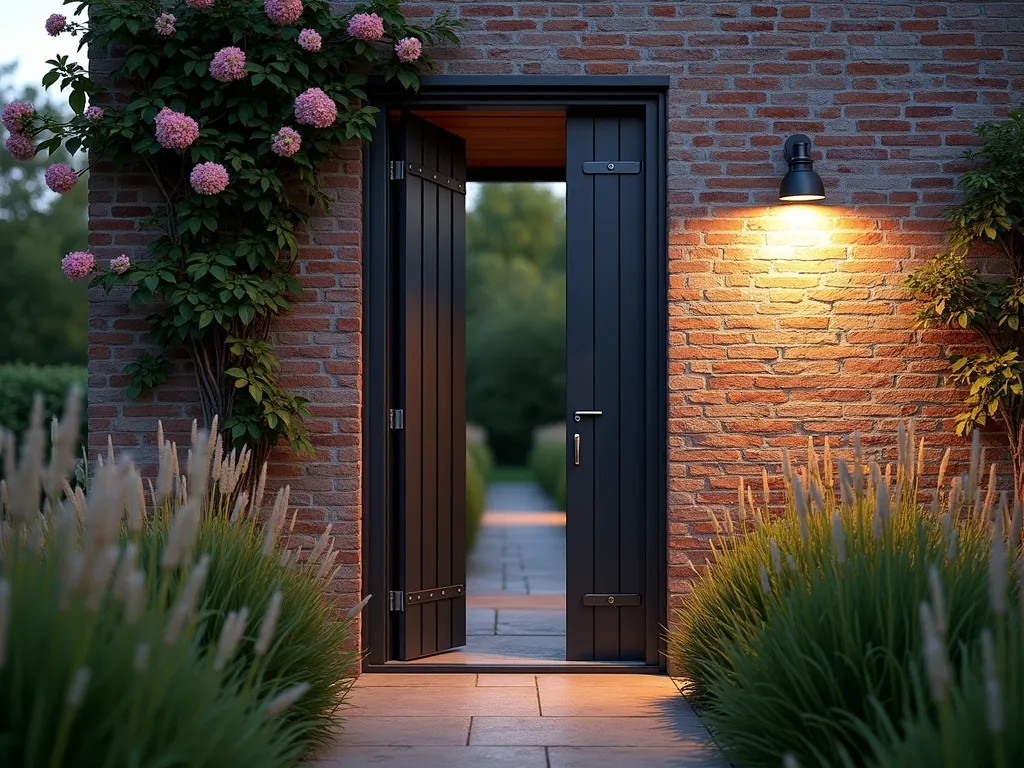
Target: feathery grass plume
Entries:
(789, 761)
(230, 636)
(953, 549)
(187, 600)
(767, 490)
(858, 464)
(828, 465)
(776, 558)
(938, 604)
(936, 663)
(791, 563)
(787, 468)
(993, 694)
(286, 699)
(998, 575)
(990, 494)
(838, 538)
(846, 487)
(268, 625)
(356, 609)
(742, 506)
(816, 496)
(919, 468)
(976, 465)
(79, 685)
(943, 466)
(274, 524)
(813, 470)
(800, 502)
(766, 586)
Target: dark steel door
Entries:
(612, 392)
(429, 427)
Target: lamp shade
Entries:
(801, 184)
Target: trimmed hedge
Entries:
(547, 461)
(19, 384)
(479, 466)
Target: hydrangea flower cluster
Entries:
(209, 178)
(56, 24)
(61, 178)
(199, 3)
(17, 116)
(175, 130)
(78, 264)
(286, 142)
(165, 24)
(409, 49)
(121, 264)
(283, 12)
(94, 113)
(366, 26)
(310, 40)
(228, 64)
(21, 147)
(316, 108)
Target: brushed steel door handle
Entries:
(579, 414)
(576, 447)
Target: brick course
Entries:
(784, 322)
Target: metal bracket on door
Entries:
(580, 414)
(614, 167)
(612, 601)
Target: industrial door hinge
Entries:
(396, 601)
(397, 170)
(396, 418)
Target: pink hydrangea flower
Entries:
(94, 113)
(199, 3)
(209, 178)
(175, 130)
(165, 24)
(21, 147)
(78, 264)
(228, 64)
(316, 108)
(409, 49)
(286, 142)
(366, 26)
(121, 264)
(56, 24)
(310, 40)
(283, 12)
(61, 178)
(17, 116)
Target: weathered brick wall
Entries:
(784, 322)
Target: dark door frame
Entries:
(612, 93)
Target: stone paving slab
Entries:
(395, 723)
(457, 700)
(439, 757)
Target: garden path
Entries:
(520, 721)
(515, 583)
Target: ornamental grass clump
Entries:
(803, 635)
(299, 637)
(102, 655)
(979, 703)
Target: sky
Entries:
(23, 39)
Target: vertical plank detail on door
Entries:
(609, 504)
(580, 308)
(432, 445)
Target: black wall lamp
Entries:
(800, 184)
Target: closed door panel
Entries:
(609, 501)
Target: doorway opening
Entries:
(515, 328)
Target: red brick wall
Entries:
(784, 322)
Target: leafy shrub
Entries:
(93, 671)
(547, 461)
(19, 385)
(803, 633)
(232, 110)
(476, 499)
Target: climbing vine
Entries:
(231, 108)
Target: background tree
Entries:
(966, 288)
(515, 314)
(42, 314)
